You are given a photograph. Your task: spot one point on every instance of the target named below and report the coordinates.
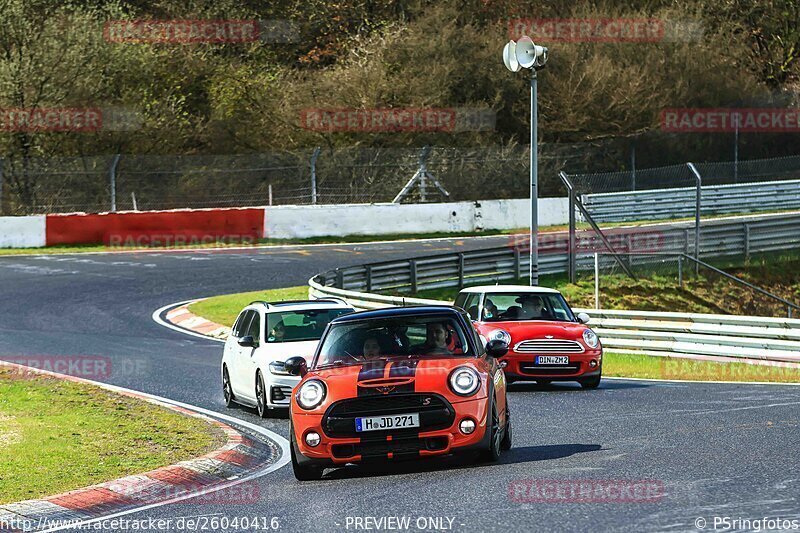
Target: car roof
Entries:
(388, 312)
(510, 288)
(299, 305)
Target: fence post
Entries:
(368, 272)
(572, 253)
(269, 191)
(460, 270)
(596, 281)
(113, 178)
(412, 266)
(633, 165)
(680, 271)
(1, 185)
(747, 242)
(314, 175)
(698, 195)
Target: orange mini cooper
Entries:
(398, 383)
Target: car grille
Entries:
(280, 395)
(548, 346)
(530, 368)
(434, 413)
(397, 447)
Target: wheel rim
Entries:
(260, 395)
(495, 429)
(226, 386)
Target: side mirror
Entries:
(296, 366)
(496, 348)
(247, 342)
(583, 318)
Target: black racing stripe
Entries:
(404, 369)
(370, 370)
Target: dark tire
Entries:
(303, 472)
(505, 444)
(227, 390)
(261, 396)
(492, 453)
(590, 383)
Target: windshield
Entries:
(392, 338)
(306, 325)
(526, 306)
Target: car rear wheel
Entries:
(261, 396)
(303, 472)
(492, 454)
(590, 383)
(227, 390)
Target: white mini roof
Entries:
(510, 288)
(302, 305)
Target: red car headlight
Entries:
(311, 394)
(464, 381)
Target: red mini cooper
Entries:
(398, 383)
(548, 342)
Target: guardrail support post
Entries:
(517, 264)
(747, 242)
(368, 272)
(412, 267)
(339, 279)
(460, 270)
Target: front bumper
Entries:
(381, 447)
(522, 366)
(279, 390)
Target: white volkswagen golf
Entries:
(266, 334)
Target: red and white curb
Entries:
(241, 459)
(177, 316)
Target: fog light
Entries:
(592, 363)
(467, 426)
(312, 438)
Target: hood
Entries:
(281, 351)
(536, 329)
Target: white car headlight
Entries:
(499, 335)
(278, 368)
(590, 338)
(464, 381)
(311, 394)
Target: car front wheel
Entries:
(492, 453)
(303, 472)
(590, 383)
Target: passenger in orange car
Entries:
(372, 348)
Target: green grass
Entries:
(224, 309)
(57, 435)
(651, 367)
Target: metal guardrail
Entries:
(715, 337)
(659, 204)
(719, 238)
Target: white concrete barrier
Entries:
(23, 232)
(288, 222)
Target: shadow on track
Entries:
(574, 387)
(525, 454)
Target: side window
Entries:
(471, 305)
(255, 327)
(241, 324)
(460, 299)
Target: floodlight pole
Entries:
(534, 247)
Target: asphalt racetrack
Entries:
(712, 449)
